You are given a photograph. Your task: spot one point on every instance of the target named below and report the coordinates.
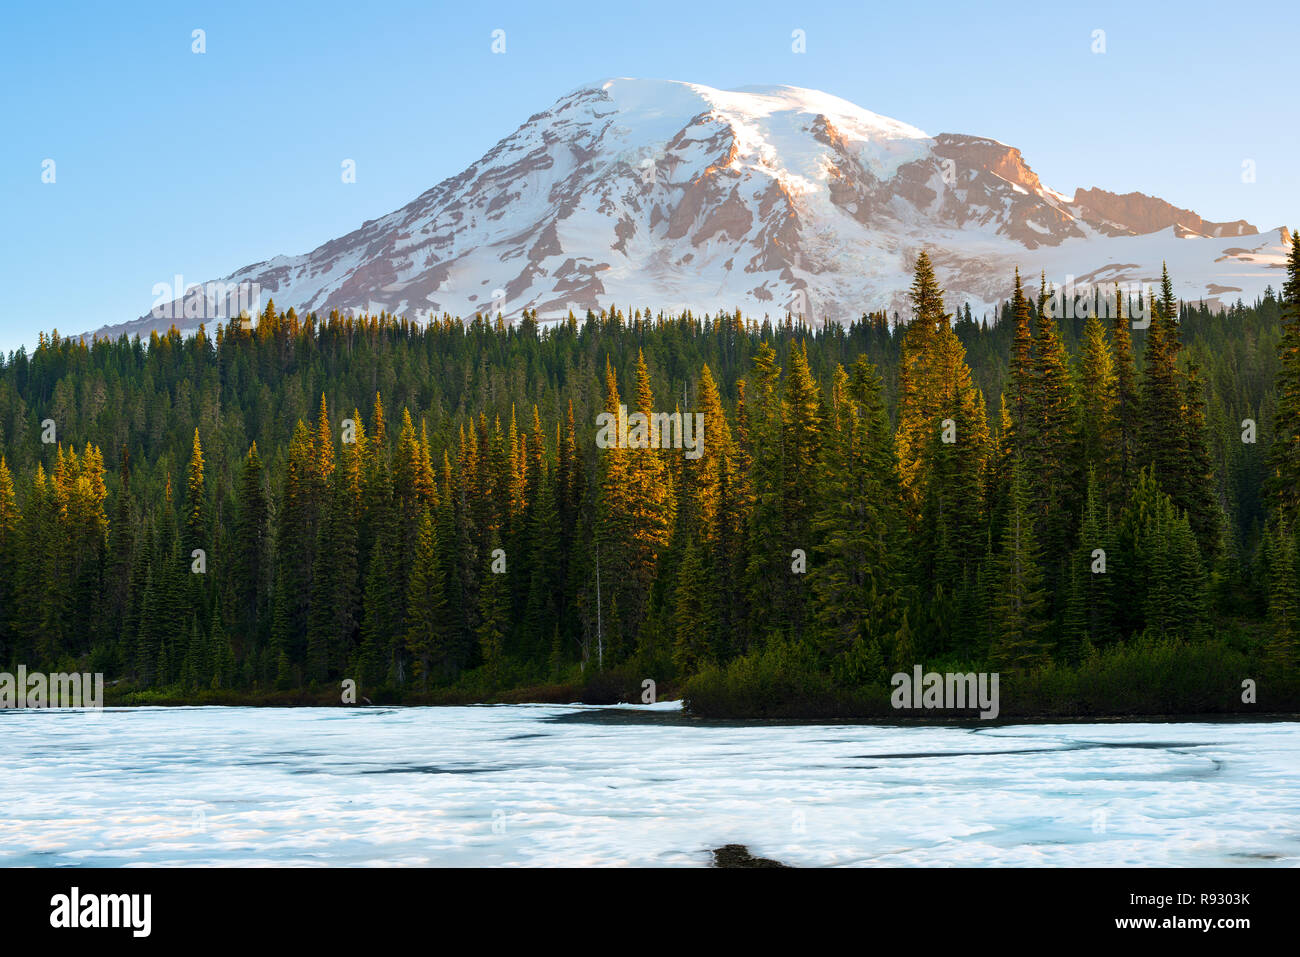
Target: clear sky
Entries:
(167, 161)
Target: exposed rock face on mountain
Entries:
(1135, 214)
(675, 195)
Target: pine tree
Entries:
(335, 599)
(1162, 427)
(767, 567)
(1198, 483)
(1096, 399)
(295, 546)
(493, 620)
(956, 462)
(406, 481)
(917, 387)
(195, 532)
(164, 604)
(1125, 441)
(1188, 616)
(1020, 393)
(944, 446)
(856, 575)
(1020, 606)
(1090, 611)
(120, 561)
(194, 668)
(701, 477)
(546, 580)
(1283, 645)
(133, 614)
(692, 627)
(427, 638)
(9, 559)
(221, 656)
(1053, 475)
(278, 656)
(636, 510)
(252, 560)
(382, 628)
(801, 444)
(1284, 461)
(715, 502)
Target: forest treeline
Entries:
(299, 500)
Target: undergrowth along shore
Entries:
(1142, 678)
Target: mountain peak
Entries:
(771, 198)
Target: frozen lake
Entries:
(569, 785)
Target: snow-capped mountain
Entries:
(676, 195)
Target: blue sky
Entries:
(169, 162)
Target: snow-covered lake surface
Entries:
(569, 785)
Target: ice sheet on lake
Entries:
(564, 785)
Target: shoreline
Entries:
(638, 713)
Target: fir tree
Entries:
(1053, 475)
(493, 621)
(427, 638)
(692, 626)
(1284, 480)
(1096, 399)
(1020, 606)
(195, 533)
(856, 575)
(252, 562)
(1020, 393)
(1124, 441)
(1283, 643)
(9, 559)
(1162, 427)
(1090, 612)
